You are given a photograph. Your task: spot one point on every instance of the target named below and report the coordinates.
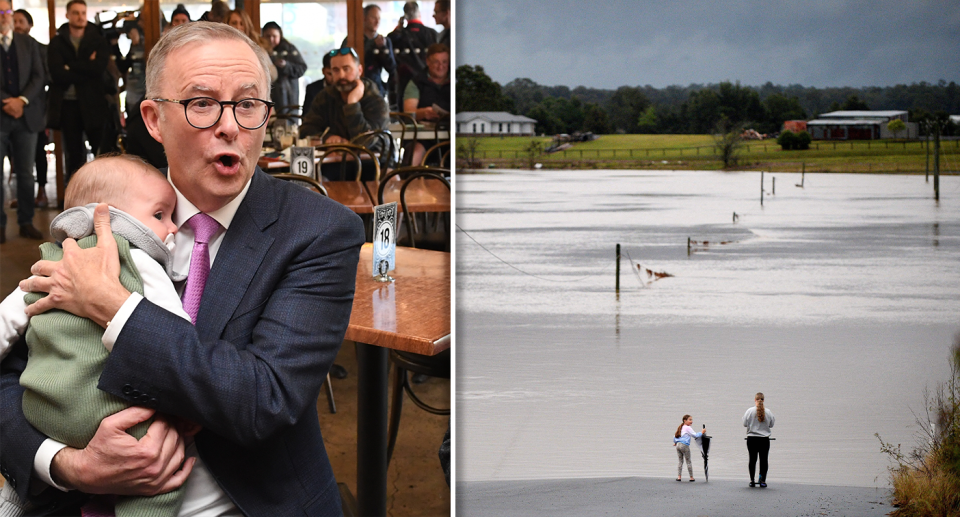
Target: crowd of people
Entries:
(73, 85)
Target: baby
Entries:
(66, 352)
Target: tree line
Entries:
(692, 109)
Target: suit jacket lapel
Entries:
(242, 251)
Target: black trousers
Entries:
(72, 130)
(758, 446)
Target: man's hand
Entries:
(379, 41)
(93, 57)
(86, 282)
(13, 106)
(115, 462)
(356, 94)
(335, 139)
(427, 113)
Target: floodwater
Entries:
(838, 300)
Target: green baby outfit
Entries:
(66, 357)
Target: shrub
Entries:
(803, 140)
(926, 480)
(787, 140)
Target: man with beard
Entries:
(349, 106)
(78, 57)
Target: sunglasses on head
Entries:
(343, 52)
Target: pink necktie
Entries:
(204, 227)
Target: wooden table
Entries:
(350, 194)
(410, 314)
(423, 195)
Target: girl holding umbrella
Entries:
(758, 421)
(681, 440)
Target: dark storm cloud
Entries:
(606, 44)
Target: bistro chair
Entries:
(315, 186)
(437, 240)
(404, 362)
(388, 153)
(431, 241)
(406, 121)
(305, 181)
(438, 149)
(355, 151)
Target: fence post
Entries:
(761, 188)
(774, 179)
(618, 268)
(936, 164)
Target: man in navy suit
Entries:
(22, 81)
(272, 315)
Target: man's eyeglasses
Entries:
(6, 11)
(204, 112)
(343, 52)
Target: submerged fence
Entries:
(709, 151)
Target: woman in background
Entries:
(758, 420)
(240, 20)
(284, 92)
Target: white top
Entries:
(756, 427)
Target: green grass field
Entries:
(697, 152)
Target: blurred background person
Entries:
(219, 12)
(285, 90)
(441, 14)
(134, 69)
(410, 41)
(78, 56)
(22, 23)
(428, 94)
(240, 20)
(377, 50)
(317, 86)
(21, 116)
(179, 16)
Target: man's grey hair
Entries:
(411, 11)
(196, 33)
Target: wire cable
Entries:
(522, 271)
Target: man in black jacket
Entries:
(410, 41)
(78, 57)
(21, 89)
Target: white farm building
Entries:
(859, 125)
(494, 123)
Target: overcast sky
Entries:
(611, 43)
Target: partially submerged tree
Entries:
(467, 151)
(533, 150)
(728, 142)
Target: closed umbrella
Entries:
(704, 443)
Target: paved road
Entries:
(665, 497)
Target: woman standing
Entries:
(284, 92)
(681, 440)
(758, 421)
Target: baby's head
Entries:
(128, 183)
